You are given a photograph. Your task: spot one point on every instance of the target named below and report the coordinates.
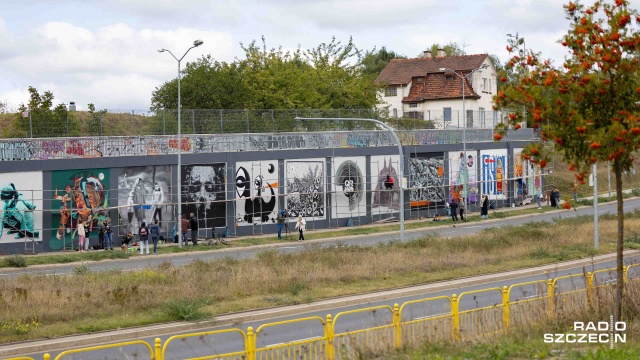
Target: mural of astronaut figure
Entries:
(17, 215)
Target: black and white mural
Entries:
(385, 196)
(203, 193)
(256, 192)
(144, 194)
(305, 185)
(426, 172)
(348, 187)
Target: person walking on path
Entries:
(575, 190)
(280, 220)
(108, 235)
(484, 211)
(155, 235)
(301, 225)
(143, 232)
(193, 223)
(184, 226)
(81, 236)
(454, 209)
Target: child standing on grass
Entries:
(143, 232)
(81, 235)
(301, 225)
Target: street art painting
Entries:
(385, 197)
(523, 175)
(256, 192)
(305, 188)
(426, 173)
(494, 173)
(21, 214)
(462, 175)
(203, 194)
(348, 187)
(81, 196)
(144, 194)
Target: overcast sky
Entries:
(105, 51)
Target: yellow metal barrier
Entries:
(417, 330)
(523, 307)
(233, 355)
(371, 340)
(152, 355)
(483, 320)
(314, 348)
(21, 358)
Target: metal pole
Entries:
(596, 238)
(609, 177)
(400, 153)
(30, 125)
(179, 172)
(464, 150)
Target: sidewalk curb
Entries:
(17, 349)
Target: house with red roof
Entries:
(427, 88)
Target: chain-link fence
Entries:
(45, 123)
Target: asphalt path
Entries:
(447, 230)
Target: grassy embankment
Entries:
(88, 302)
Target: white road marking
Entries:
(289, 342)
(430, 316)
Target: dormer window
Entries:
(391, 91)
(413, 105)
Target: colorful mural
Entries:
(204, 194)
(305, 188)
(462, 175)
(348, 187)
(144, 194)
(21, 214)
(426, 172)
(80, 195)
(494, 173)
(385, 199)
(256, 192)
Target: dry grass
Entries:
(96, 301)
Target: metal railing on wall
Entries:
(411, 323)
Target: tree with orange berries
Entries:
(588, 107)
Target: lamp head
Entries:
(198, 43)
(509, 35)
(161, 50)
(443, 69)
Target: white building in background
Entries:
(417, 88)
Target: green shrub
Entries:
(186, 309)
(15, 260)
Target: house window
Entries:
(481, 117)
(486, 85)
(469, 118)
(447, 113)
(413, 105)
(391, 91)
(395, 113)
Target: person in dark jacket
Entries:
(193, 224)
(484, 211)
(555, 197)
(155, 235)
(454, 209)
(184, 228)
(143, 232)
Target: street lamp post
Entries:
(401, 167)
(179, 173)
(464, 135)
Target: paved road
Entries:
(209, 345)
(290, 247)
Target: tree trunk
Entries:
(620, 244)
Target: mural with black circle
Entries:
(256, 192)
(348, 187)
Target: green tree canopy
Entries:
(42, 118)
(589, 106)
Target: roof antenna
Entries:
(464, 46)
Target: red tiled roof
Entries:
(439, 86)
(401, 71)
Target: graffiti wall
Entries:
(348, 187)
(21, 196)
(144, 195)
(203, 193)
(305, 188)
(426, 174)
(462, 175)
(80, 195)
(385, 194)
(256, 192)
(494, 173)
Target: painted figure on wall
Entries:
(259, 179)
(463, 175)
(348, 188)
(305, 188)
(427, 177)
(384, 195)
(203, 193)
(18, 213)
(493, 174)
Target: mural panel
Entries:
(426, 172)
(144, 194)
(384, 198)
(81, 195)
(305, 188)
(22, 206)
(348, 187)
(494, 173)
(462, 175)
(203, 193)
(256, 192)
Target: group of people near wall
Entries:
(105, 236)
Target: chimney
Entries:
(441, 53)
(72, 106)
(426, 54)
